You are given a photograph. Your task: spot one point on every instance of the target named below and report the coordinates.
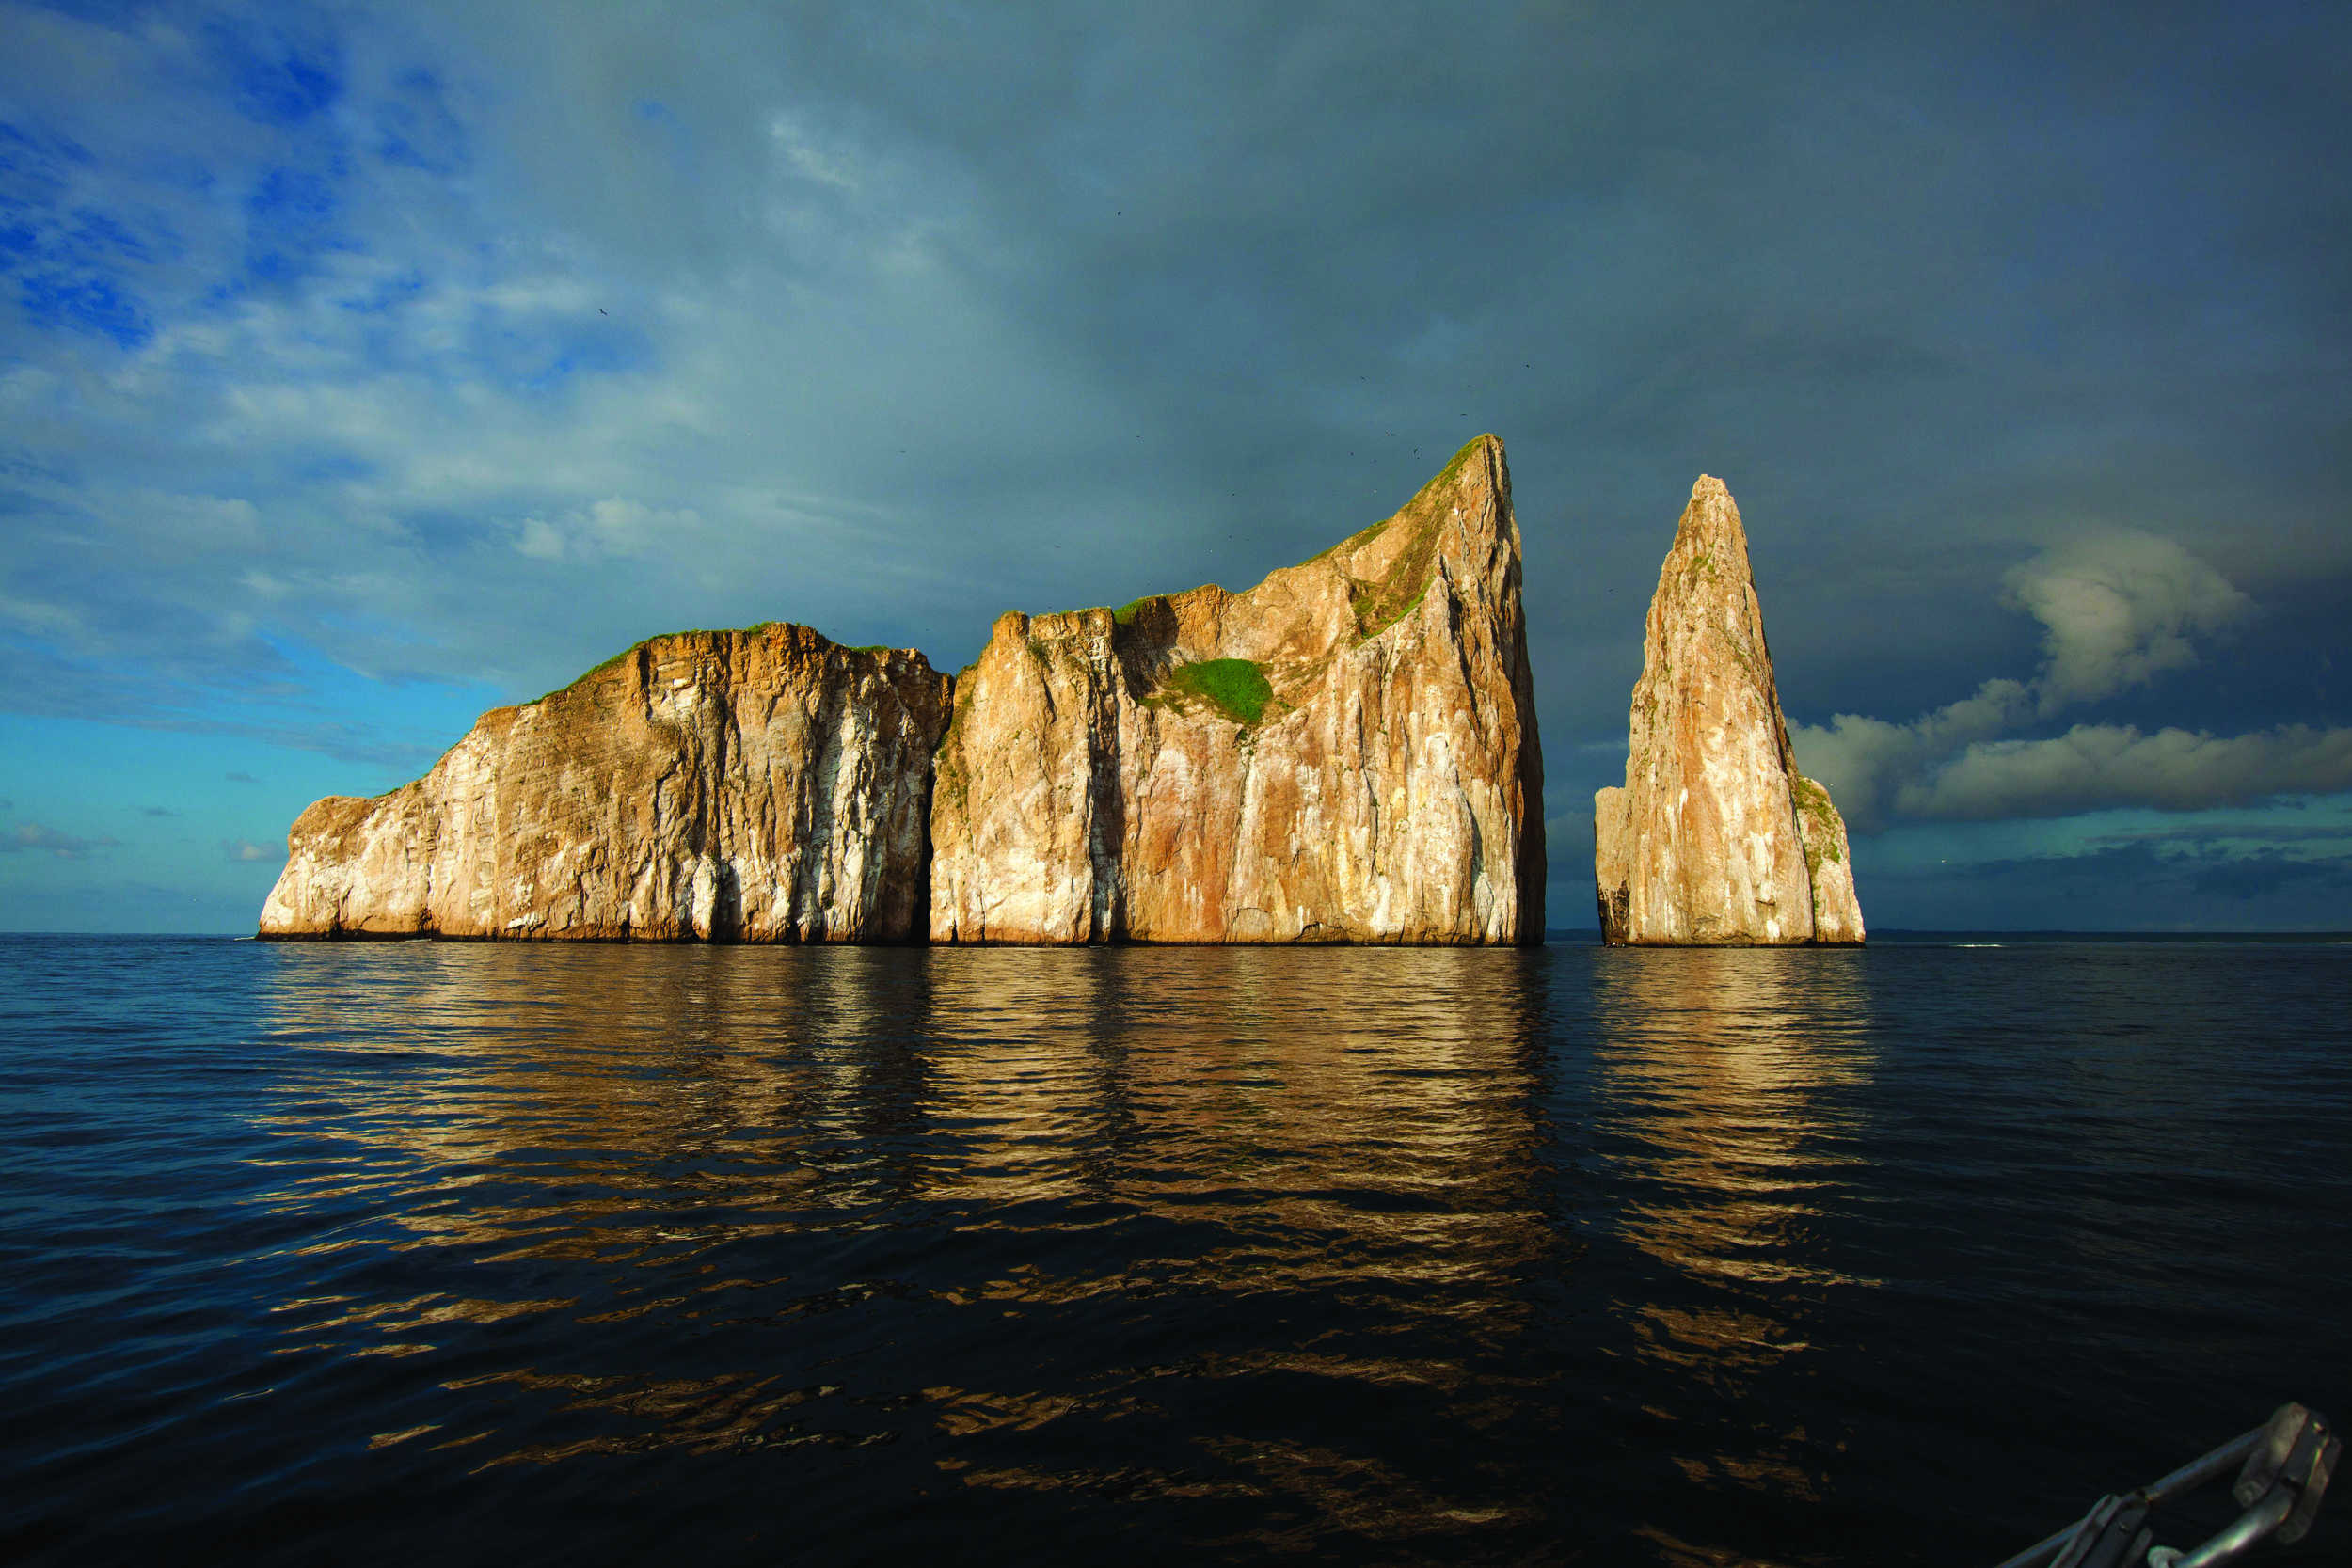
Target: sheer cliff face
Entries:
(1716, 838)
(760, 785)
(1346, 752)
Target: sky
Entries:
(362, 368)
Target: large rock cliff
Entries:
(1345, 753)
(760, 785)
(1716, 839)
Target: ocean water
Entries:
(459, 1253)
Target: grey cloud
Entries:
(157, 811)
(1866, 763)
(241, 778)
(2117, 607)
(65, 846)
(2094, 767)
(615, 526)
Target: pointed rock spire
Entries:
(1716, 839)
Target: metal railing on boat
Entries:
(2283, 1466)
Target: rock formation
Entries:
(760, 785)
(1716, 839)
(1345, 753)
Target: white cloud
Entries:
(246, 850)
(540, 539)
(801, 152)
(2118, 608)
(615, 526)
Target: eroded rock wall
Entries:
(758, 786)
(1345, 753)
(1716, 839)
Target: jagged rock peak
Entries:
(1715, 838)
(1345, 753)
(766, 785)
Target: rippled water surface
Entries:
(452, 1254)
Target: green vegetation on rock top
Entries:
(1398, 592)
(1237, 687)
(1821, 844)
(1446, 475)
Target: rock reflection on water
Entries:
(1198, 1228)
(494, 1255)
(1725, 1075)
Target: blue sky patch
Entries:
(86, 303)
(274, 80)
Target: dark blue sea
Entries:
(418, 1253)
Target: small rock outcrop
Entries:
(1344, 753)
(1716, 839)
(758, 785)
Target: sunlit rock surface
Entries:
(758, 786)
(1716, 839)
(1345, 753)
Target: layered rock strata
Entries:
(1345, 753)
(1716, 839)
(758, 786)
